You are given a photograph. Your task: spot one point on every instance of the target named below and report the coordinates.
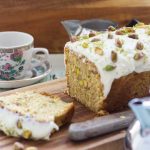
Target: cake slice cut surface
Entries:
(33, 115)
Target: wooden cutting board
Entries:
(60, 140)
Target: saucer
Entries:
(37, 73)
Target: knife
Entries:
(100, 125)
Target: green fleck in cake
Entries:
(107, 70)
(33, 115)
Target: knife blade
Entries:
(100, 125)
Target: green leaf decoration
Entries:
(109, 68)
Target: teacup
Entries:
(16, 53)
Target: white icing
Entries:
(125, 63)
(40, 130)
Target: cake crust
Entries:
(134, 85)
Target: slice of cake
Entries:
(107, 70)
(33, 115)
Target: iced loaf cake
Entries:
(33, 115)
(106, 70)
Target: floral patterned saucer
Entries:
(37, 73)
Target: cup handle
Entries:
(38, 57)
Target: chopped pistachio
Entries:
(85, 45)
(109, 68)
(99, 51)
(129, 30)
(114, 56)
(119, 43)
(77, 71)
(111, 28)
(27, 134)
(91, 34)
(110, 36)
(125, 30)
(139, 45)
(138, 56)
(19, 124)
(81, 82)
(98, 44)
(95, 40)
(120, 32)
(18, 146)
(133, 36)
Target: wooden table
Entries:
(41, 18)
(60, 140)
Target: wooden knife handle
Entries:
(100, 125)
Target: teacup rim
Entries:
(30, 44)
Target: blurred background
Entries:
(41, 18)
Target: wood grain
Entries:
(60, 139)
(42, 18)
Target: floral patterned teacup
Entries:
(16, 53)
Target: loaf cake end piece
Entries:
(33, 115)
(107, 70)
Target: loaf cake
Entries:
(33, 115)
(107, 69)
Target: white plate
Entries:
(39, 72)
